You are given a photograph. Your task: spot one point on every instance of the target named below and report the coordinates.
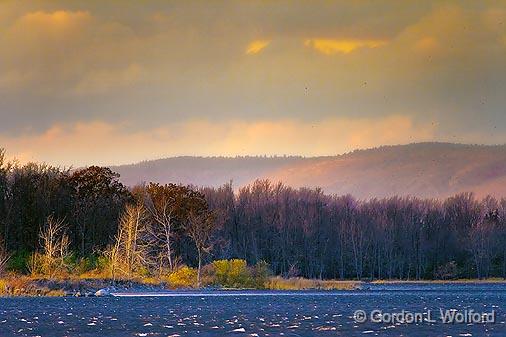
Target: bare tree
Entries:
(162, 206)
(482, 244)
(4, 257)
(129, 252)
(200, 227)
(55, 244)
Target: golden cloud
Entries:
(58, 22)
(344, 46)
(446, 29)
(256, 46)
(427, 44)
(68, 53)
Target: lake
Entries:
(267, 313)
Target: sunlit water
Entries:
(254, 313)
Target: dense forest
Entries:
(297, 232)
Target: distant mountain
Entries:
(204, 171)
(423, 170)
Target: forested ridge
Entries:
(297, 232)
(424, 170)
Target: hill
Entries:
(204, 171)
(422, 169)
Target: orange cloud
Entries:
(256, 46)
(58, 21)
(344, 46)
(427, 44)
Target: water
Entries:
(256, 313)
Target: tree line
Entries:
(297, 232)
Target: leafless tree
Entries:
(200, 227)
(129, 252)
(482, 244)
(55, 245)
(4, 257)
(162, 206)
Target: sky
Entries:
(111, 82)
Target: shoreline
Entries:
(456, 281)
(97, 287)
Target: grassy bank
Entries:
(34, 286)
(84, 278)
(16, 285)
(23, 285)
(298, 283)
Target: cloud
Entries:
(256, 46)
(104, 143)
(162, 63)
(64, 52)
(494, 19)
(58, 20)
(427, 44)
(103, 80)
(343, 46)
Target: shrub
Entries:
(3, 287)
(82, 266)
(35, 264)
(19, 262)
(184, 277)
(143, 271)
(447, 271)
(87, 264)
(261, 273)
(95, 267)
(232, 273)
(72, 263)
(103, 263)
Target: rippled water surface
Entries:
(255, 313)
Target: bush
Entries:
(87, 264)
(71, 263)
(95, 266)
(3, 287)
(35, 264)
(83, 265)
(103, 263)
(232, 274)
(143, 271)
(447, 271)
(184, 277)
(42, 266)
(261, 274)
(19, 262)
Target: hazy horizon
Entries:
(211, 156)
(12, 158)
